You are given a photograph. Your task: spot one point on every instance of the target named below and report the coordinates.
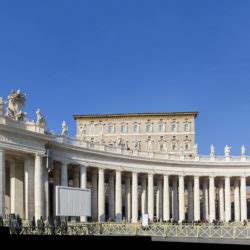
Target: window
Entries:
(187, 127)
(111, 129)
(174, 127)
(174, 147)
(136, 128)
(149, 128)
(92, 128)
(124, 128)
(187, 146)
(161, 128)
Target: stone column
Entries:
(196, 198)
(159, 200)
(64, 174)
(243, 198)
(236, 200)
(39, 187)
(175, 211)
(111, 197)
(29, 188)
(221, 200)
(128, 198)
(2, 182)
(56, 182)
(118, 196)
(211, 199)
(134, 197)
(83, 180)
(190, 200)
(144, 195)
(181, 199)
(227, 199)
(151, 197)
(205, 199)
(166, 199)
(101, 196)
(17, 187)
(94, 196)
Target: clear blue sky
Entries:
(132, 56)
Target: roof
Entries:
(135, 115)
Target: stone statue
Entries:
(149, 145)
(165, 146)
(65, 129)
(40, 121)
(16, 101)
(212, 151)
(120, 142)
(227, 151)
(1, 106)
(196, 149)
(137, 145)
(243, 150)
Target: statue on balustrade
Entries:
(40, 120)
(16, 101)
(150, 145)
(212, 151)
(196, 150)
(243, 150)
(65, 129)
(2, 103)
(137, 145)
(227, 151)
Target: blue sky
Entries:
(80, 57)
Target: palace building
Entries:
(134, 164)
(158, 132)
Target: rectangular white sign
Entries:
(73, 201)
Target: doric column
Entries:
(166, 199)
(151, 197)
(211, 199)
(181, 198)
(94, 196)
(29, 188)
(175, 211)
(128, 198)
(76, 177)
(39, 187)
(13, 199)
(190, 200)
(243, 198)
(111, 197)
(134, 197)
(236, 200)
(118, 196)
(205, 199)
(227, 199)
(83, 180)
(159, 200)
(2, 182)
(64, 174)
(56, 182)
(221, 200)
(144, 195)
(196, 198)
(101, 196)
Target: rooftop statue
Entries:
(137, 145)
(243, 150)
(16, 101)
(227, 150)
(65, 129)
(1, 106)
(40, 119)
(212, 150)
(196, 149)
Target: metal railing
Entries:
(205, 231)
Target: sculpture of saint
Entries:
(40, 120)
(65, 129)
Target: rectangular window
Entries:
(136, 128)
(124, 129)
(111, 129)
(161, 128)
(187, 127)
(149, 128)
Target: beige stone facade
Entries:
(156, 132)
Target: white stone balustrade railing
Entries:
(156, 155)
